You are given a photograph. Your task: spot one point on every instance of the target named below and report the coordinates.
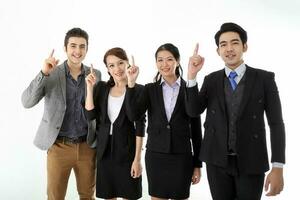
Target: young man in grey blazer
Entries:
(235, 99)
(64, 131)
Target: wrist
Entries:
(131, 84)
(44, 73)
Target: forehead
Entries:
(164, 53)
(229, 36)
(112, 59)
(77, 40)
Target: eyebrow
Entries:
(233, 40)
(77, 44)
(165, 57)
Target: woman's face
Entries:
(116, 67)
(166, 63)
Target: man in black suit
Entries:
(236, 98)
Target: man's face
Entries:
(76, 50)
(231, 49)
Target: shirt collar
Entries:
(177, 82)
(240, 70)
(68, 70)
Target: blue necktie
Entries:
(231, 77)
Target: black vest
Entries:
(233, 100)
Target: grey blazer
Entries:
(53, 89)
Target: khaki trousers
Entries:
(61, 159)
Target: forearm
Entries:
(138, 148)
(34, 92)
(89, 101)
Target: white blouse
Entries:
(114, 106)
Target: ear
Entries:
(218, 51)
(65, 49)
(245, 48)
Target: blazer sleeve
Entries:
(275, 121)
(140, 126)
(196, 140)
(35, 91)
(91, 114)
(196, 101)
(136, 101)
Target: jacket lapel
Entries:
(220, 89)
(180, 97)
(160, 99)
(249, 82)
(62, 79)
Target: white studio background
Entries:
(31, 29)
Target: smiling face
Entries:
(76, 50)
(116, 68)
(166, 63)
(231, 49)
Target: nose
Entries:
(229, 47)
(164, 63)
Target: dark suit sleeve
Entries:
(275, 121)
(196, 102)
(136, 101)
(196, 140)
(140, 126)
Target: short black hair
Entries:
(231, 27)
(76, 32)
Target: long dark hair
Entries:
(175, 52)
(118, 52)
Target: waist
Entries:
(76, 140)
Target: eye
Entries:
(159, 60)
(110, 66)
(170, 59)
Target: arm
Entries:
(36, 90)
(274, 181)
(136, 168)
(195, 101)
(196, 142)
(136, 101)
(89, 101)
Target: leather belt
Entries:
(76, 140)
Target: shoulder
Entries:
(261, 72)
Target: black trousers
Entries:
(228, 184)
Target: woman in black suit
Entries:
(171, 165)
(119, 141)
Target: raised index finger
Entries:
(92, 68)
(196, 49)
(51, 54)
(132, 61)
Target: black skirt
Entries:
(169, 175)
(114, 179)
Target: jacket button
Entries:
(57, 127)
(255, 136)
(168, 126)
(213, 111)
(260, 101)
(254, 116)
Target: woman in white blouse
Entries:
(119, 141)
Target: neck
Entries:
(170, 79)
(120, 84)
(233, 67)
(74, 68)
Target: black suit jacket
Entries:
(167, 137)
(124, 131)
(260, 96)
